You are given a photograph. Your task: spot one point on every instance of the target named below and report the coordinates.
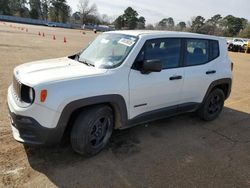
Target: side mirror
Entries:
(149, 66)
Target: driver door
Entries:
(157, 90)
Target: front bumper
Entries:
(27, 130)
(35, 125)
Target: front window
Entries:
(167, 50)
(108, 50)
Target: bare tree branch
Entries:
(86, 9)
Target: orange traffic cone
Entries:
(64, 40)
(39, 33)
(54, 37)
(43, 35)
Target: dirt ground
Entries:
(182, 151)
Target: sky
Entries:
(180, 10)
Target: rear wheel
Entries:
(212, 105)
(92, 130)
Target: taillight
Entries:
(232, 66)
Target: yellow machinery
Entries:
(248, 47)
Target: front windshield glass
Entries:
(108, 50)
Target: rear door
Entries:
(200, 62)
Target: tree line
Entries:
(228, 26)
(53, 10)
(60, 11)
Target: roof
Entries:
(154, 33)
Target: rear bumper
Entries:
(27, 130)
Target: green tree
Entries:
(245, 33)
(130, 18)
(233, 25)
(181, 26)
(213, 25)
(214, 20)
(45, 4)
(166, 24)
(17, 7)
(170, 23)
(76, 17)
(59, 11)
(4, 7)
(119, 22)
(35, 9)
(24, 12)
(141, 23)
(162, 24)
(197, 24)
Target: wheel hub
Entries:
(214, 104)
(99, 130)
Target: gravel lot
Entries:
(182, 151)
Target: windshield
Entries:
(108, 50)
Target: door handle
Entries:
(211, 72)
(175, 78)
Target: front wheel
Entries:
(230, 47)
(212, 106)
(244, 48)
(92, 130)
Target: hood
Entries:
(44, 71)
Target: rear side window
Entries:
(200, 51)
(196, 52)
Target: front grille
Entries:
(17, 86)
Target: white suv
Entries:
(237, 44)
(123, 78)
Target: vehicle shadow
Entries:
(121, 163)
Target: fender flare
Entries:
(215, 83)
(116, 101)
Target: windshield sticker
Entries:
(126, 42)
(104, 41)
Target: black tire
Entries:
(92, 130)
(230, 47)
(213, 105)
(244, 48)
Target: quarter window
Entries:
(214, 49)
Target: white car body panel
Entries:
(53, 70)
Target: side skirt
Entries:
(161, 114)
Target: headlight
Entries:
(31, 94)
(27, 94)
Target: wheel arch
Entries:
(72, 109)
(224, 84)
